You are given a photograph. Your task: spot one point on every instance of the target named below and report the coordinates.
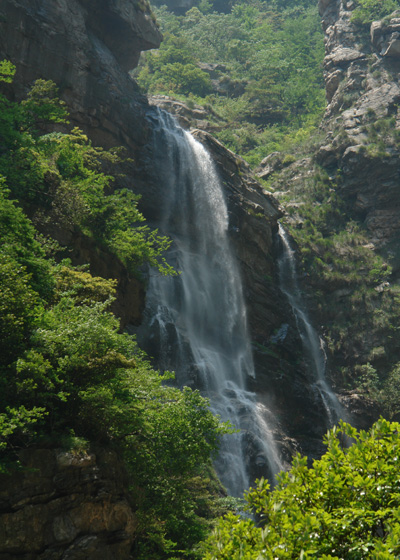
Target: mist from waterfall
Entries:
(312, 342)
(196, 323)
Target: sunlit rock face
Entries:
(362, 119)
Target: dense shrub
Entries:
(346, 506)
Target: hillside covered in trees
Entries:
(256, 69)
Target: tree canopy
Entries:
(258, 68)
(347, 506)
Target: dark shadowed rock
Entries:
(66, 505)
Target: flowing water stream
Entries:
(196, 323)
(312, 343)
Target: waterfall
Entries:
(312, 342)
(195, 324)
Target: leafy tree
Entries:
(63, 174)
(346, 506)
(7, 71)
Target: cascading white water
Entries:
(312, 342)
(196, 323)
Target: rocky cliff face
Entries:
(86, 46)
(281, 380)
(351, 168)
(253, 215)
(362, 119)
(66, 505)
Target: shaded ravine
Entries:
(312, 342)
(195, 324)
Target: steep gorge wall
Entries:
(362, 68)
(351, 171)
(282, 383)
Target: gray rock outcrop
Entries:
(362, 119)
(83, 46)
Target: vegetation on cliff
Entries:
(257, 70)
(349, 280)
(346, 278)
(368, 11)
(68, 377)
(348, 258)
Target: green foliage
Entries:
(368, 11)
(67, 375)
(345, 506)
(268, 59)
(42, 105)
(82, 286)
(7, 71)
(347, 279)
(172, 68)
(65, 368)
(390, 393)
(63, 174)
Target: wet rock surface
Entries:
(253, 215)
(187, 117)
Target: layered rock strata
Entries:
(66, 505)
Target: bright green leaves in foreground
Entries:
(65, 369)
(347, 506)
